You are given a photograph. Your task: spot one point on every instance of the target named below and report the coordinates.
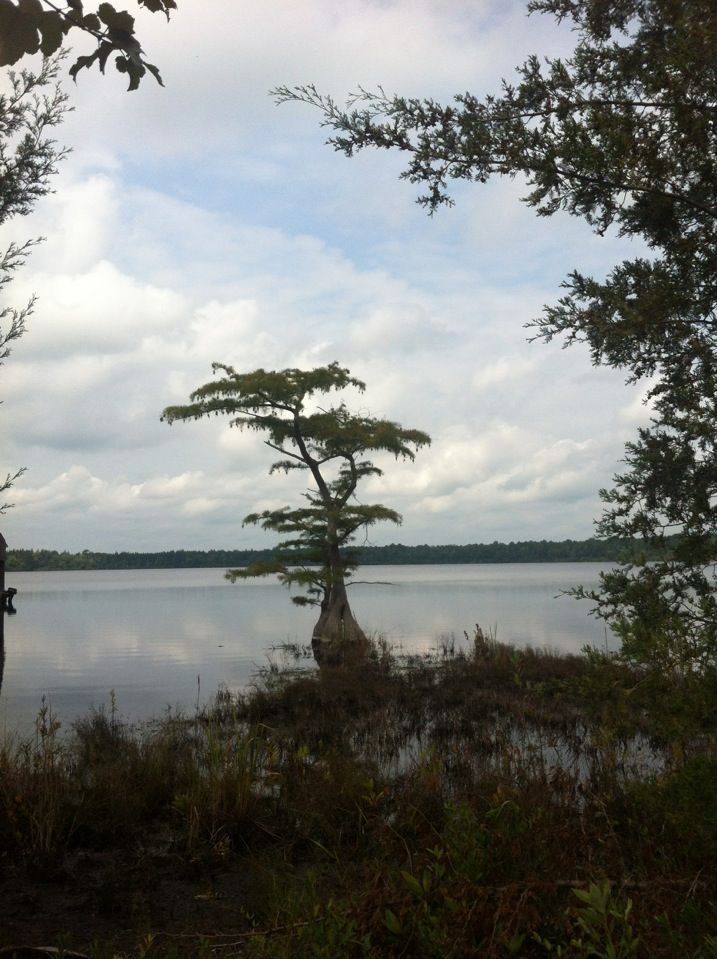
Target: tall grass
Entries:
(485, 801)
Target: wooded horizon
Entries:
(395, 554)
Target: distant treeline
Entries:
(530, 551)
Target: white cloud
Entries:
(507, 369)
(100, 311)
(219, 61)
(199, 223)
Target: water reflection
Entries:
(6, 609)
(163, 638)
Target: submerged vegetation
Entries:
(483, 801)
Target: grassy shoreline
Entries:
(494, 802)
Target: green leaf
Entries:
(82, 62)
(32, 9)
(157, 6)
(155, 72)
(116, 19)
(392, 922)
(18, 34)
(413, 884)
(103, 52)
(134, 71)
(91, 22)
(51, 28)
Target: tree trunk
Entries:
(337, 636)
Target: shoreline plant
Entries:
(485, 801)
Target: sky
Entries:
(201, 222)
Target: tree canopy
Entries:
(334, 446)
(29, 155)
(32, 26)
(621, 133)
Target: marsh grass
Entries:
(482, 800)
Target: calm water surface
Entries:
(170, 638)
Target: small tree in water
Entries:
(334, 445)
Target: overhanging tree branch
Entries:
(620, 133)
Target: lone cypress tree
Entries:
(333, 445)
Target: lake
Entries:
(170, 638)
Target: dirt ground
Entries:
(110, 904)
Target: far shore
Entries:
(395, 554)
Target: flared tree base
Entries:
(337, 637)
